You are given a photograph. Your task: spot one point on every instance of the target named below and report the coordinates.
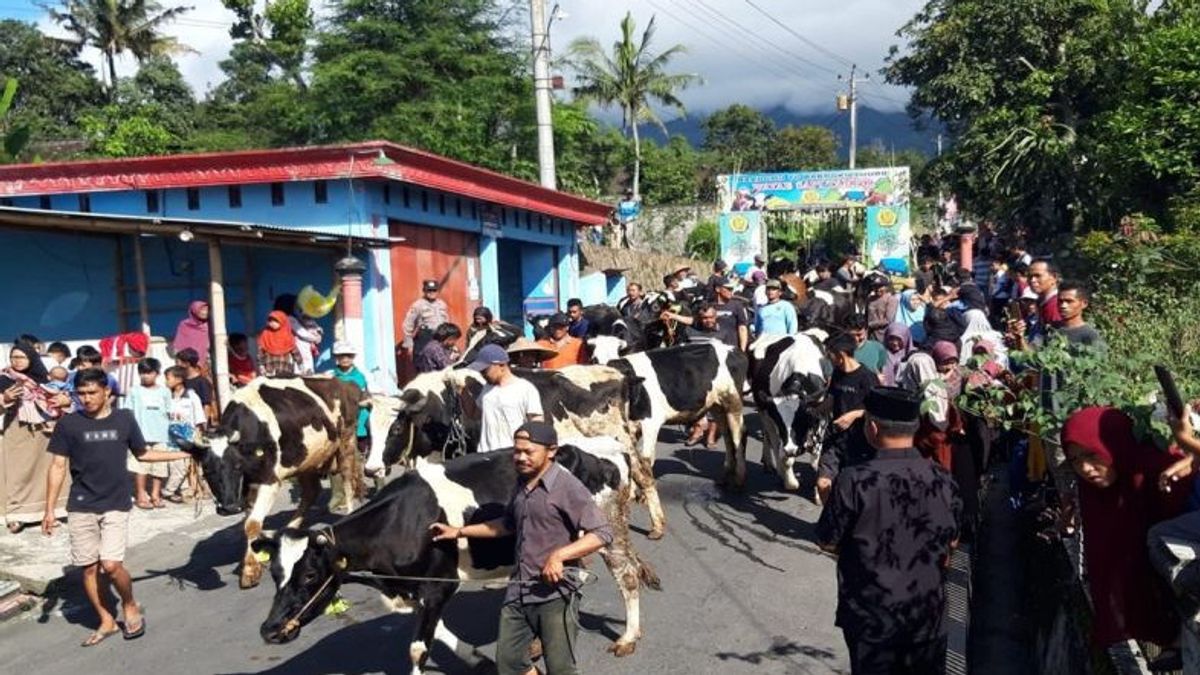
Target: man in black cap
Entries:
(424, 316)
(549, 509)
(892, 521)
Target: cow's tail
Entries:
(647, 576)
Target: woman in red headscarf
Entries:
(278, 354)
(1119, 500)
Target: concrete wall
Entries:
(664, 229)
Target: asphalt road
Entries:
(744, 591)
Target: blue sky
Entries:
(759, 52)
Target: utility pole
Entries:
(541, 86)
(853, 103)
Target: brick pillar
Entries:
(351, 270)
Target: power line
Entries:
(828, 52)
(758, 38)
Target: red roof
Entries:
(328, 162)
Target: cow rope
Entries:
(573, 576)
(457, 435)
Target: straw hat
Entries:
(524, 345)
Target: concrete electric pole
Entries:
(541, 86)
(853, 104)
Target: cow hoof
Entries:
(655, 534)
(791, 484)
(622, 648)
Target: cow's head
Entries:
(606, 348)
(498, 333)
(307, 569)
(540, 324)
(223, 468)
(423, 419)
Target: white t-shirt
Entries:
(504, 410)
(187, 409)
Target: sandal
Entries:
(145, 507)
(158, 503)
(134, 634)
(98, 636)
(174, 499)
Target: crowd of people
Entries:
(898, 477)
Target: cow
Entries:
(679, 385)
(273, 430)
(389, 538)
(437, 413)
(497, 333)
(789, 380)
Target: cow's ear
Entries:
(235, 437)
(410, 397)
(268, 546)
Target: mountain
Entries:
(893, 129)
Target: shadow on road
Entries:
(781, 649)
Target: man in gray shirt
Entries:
(549, 508)
(1073, 299)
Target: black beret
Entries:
(893, 404)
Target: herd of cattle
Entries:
(607, 415)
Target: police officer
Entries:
(424, 316)
(892, 521)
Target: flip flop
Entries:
(135, 634)
(158, 504)
(144, 507)
(174, 499)
(98, 636)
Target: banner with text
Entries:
(814, 189)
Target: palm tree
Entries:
(117, 26)
(632, 77)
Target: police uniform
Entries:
(424, 315)
(892, 520)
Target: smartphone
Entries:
(1174, 400)
(1014, 311)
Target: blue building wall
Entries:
(81, 300)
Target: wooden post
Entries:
(216, 312)
(140, 270)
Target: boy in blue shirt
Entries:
(150, 403)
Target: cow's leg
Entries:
(650, 429)
(770, 443)
(310, 489)
(735, 448)
(348, 468)
(432, 600)
(467, 653)
(627, 568)
(641, 473)
(264, 499)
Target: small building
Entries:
(105, 246)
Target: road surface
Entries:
(745, 590)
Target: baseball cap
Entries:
(759, 258)
(1029, 294)
(774, 283)
(342, 347)
(538, 432)
(731, 284)
(558, 319)
(490, 355)
(429, 285)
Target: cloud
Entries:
(742, 55)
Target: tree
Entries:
(276, 36)
(64, 87)
(671, 172)
(118, 26)
(741, 138)
(154, 113)
(805, 148)
(15, 137)
(436, 74)
(1018, 86)
(633, 77)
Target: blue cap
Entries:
(490, 355)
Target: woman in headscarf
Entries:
(192, 332)
(278, 354)
(979, 329)
(1119, 500)
(29, 411)
(912, 314)
(940, 422)
(898, 341)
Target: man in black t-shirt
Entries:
(94, 444)
(848, 389)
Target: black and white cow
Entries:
(275, 429)
(498, 333)
(679, 385)
(390, 537)
(436, 413)
(789, 380)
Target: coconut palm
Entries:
(118, 26)
(633, 77)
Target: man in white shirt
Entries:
(506, 402)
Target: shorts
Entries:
(152, 469)
(97, 536)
